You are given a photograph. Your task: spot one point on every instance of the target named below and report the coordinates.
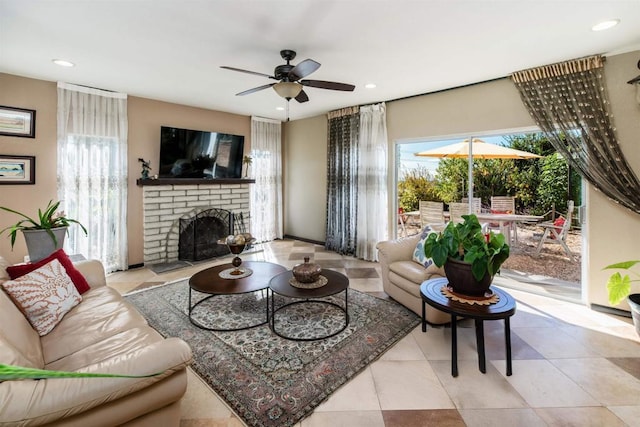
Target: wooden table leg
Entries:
(507, 336)
(482, 363)
(454, 346)
(424, 317)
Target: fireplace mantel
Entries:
(194, 181)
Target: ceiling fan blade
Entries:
(328, 85)
(303, 69)
(302, 97)
(247, 71)
(255, 89)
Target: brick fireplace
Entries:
(167, 201)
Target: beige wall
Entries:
(40, 96)
(305, 178)
(485, 108)
(479, 108)
(145, 117)
(612, 230)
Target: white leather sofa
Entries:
(402, 277)
(105, 334)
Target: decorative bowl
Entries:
(307, 272)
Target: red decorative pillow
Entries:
(559, 223)
(77, 278)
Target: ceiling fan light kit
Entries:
(290, 83)
(287, 90)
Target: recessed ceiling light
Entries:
(605, 25)
(370, 85)
(280, 108)
(63, 63)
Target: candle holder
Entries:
(236, 249)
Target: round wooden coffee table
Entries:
(503, 309)
(208, 281)
(336, 283)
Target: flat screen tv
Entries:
(188, 153)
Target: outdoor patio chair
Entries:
(402, 219)
(477, 203)
(555, 232)
(456, 210)
(504, 204)
(431, 213)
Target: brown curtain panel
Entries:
(342, 181)
(570, 99)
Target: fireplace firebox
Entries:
(198, 236)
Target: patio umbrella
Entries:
(477, 149)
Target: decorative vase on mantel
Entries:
(40, 244)
(462, 281)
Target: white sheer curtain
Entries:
(92, 171)
(266, 168)
(372, 181)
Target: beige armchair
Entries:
(402, 277)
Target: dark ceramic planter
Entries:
(462, 281)
(634, 304)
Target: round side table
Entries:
(336, 283)
(431, 294)
(208, 281)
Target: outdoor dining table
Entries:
(505, 221)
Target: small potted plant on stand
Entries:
(619, 288)
(470, 257)
(44, 235)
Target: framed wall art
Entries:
(17, 122)
(17, 169)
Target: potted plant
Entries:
(619, 288)
(44, 235)
(470, 257)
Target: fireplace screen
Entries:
(199, 235)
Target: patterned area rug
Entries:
(265, 379)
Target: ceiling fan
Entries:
(290, 78)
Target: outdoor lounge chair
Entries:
(555, 232)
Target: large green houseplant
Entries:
(465, 242)
(50, 221)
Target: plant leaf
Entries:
(622, 265)
(619, 287)
(12, 372)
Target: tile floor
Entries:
(571, 366)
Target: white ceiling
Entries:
(172, 50)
